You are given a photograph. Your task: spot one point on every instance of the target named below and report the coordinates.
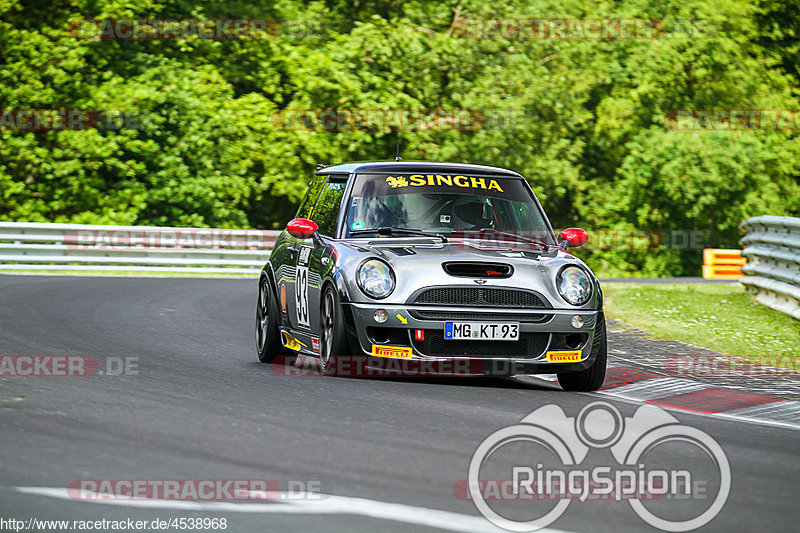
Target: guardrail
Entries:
(84, 247)
(722, 264)
(772, 248)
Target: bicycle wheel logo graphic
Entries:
(600, 426)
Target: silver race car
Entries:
(430, 269)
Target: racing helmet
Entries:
(473, 212)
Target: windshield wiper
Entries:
(387, 231)
(520, 238)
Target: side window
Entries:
(310, 199)
(326, 212)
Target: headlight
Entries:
(574, 285)
(375, 278)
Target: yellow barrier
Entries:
(722, 264)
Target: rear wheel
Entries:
(268, 342)
(592, 378)
(333, 341)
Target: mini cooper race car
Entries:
(449, 267)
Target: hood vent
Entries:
(402, 251)
(470, 269)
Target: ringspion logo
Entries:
(523, 477)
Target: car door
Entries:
(292, 264)
(326, 215)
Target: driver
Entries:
(472, 213)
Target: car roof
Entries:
(415, 166)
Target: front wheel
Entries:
(268, 342)
(333, 341)
(592, 378)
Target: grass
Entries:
(720, 317)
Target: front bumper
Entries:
(541, 331)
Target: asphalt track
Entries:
(386, 452)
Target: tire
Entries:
(268, 342)
(333, 340)
(592, 378)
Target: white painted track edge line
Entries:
(329, 504)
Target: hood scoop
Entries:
(473, 269)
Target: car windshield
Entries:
(451, 205)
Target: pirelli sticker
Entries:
(395, 352)
(572, 356)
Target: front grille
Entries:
(480, 296)
(453, 315)
(529, 346)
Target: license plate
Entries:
(493, 331)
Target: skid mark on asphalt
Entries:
(328, 504)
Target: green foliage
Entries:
(721, 317)
(583, 120)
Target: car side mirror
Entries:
(572, 238)
(301, 228)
